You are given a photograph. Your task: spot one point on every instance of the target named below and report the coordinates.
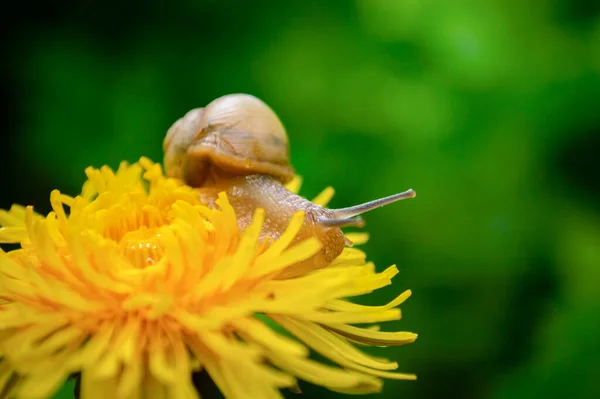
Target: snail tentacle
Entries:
(346, 213)
(327, 222)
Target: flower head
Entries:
(135, 284)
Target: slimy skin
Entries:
(247, 193)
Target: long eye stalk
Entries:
(355, 222)
(345, 216)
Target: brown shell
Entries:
(178, 140)
(240, 135)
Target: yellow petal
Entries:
(324, 197)
(353, 317)
(342, 305)
(373, 338)
(263, 335)
(245, 253)
(283, 242)
(13, 234)
(358, 238)
(295, 184)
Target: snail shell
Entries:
(237, 133)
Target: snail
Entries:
(238, 145)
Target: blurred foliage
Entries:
(489, 110)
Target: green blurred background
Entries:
(488, 109)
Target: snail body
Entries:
(237, 145)
(247, 193)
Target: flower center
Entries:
(135, 228)
(141, 247)
(132, 207)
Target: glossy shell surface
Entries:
(240, 134)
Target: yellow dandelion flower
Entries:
(138, 284)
